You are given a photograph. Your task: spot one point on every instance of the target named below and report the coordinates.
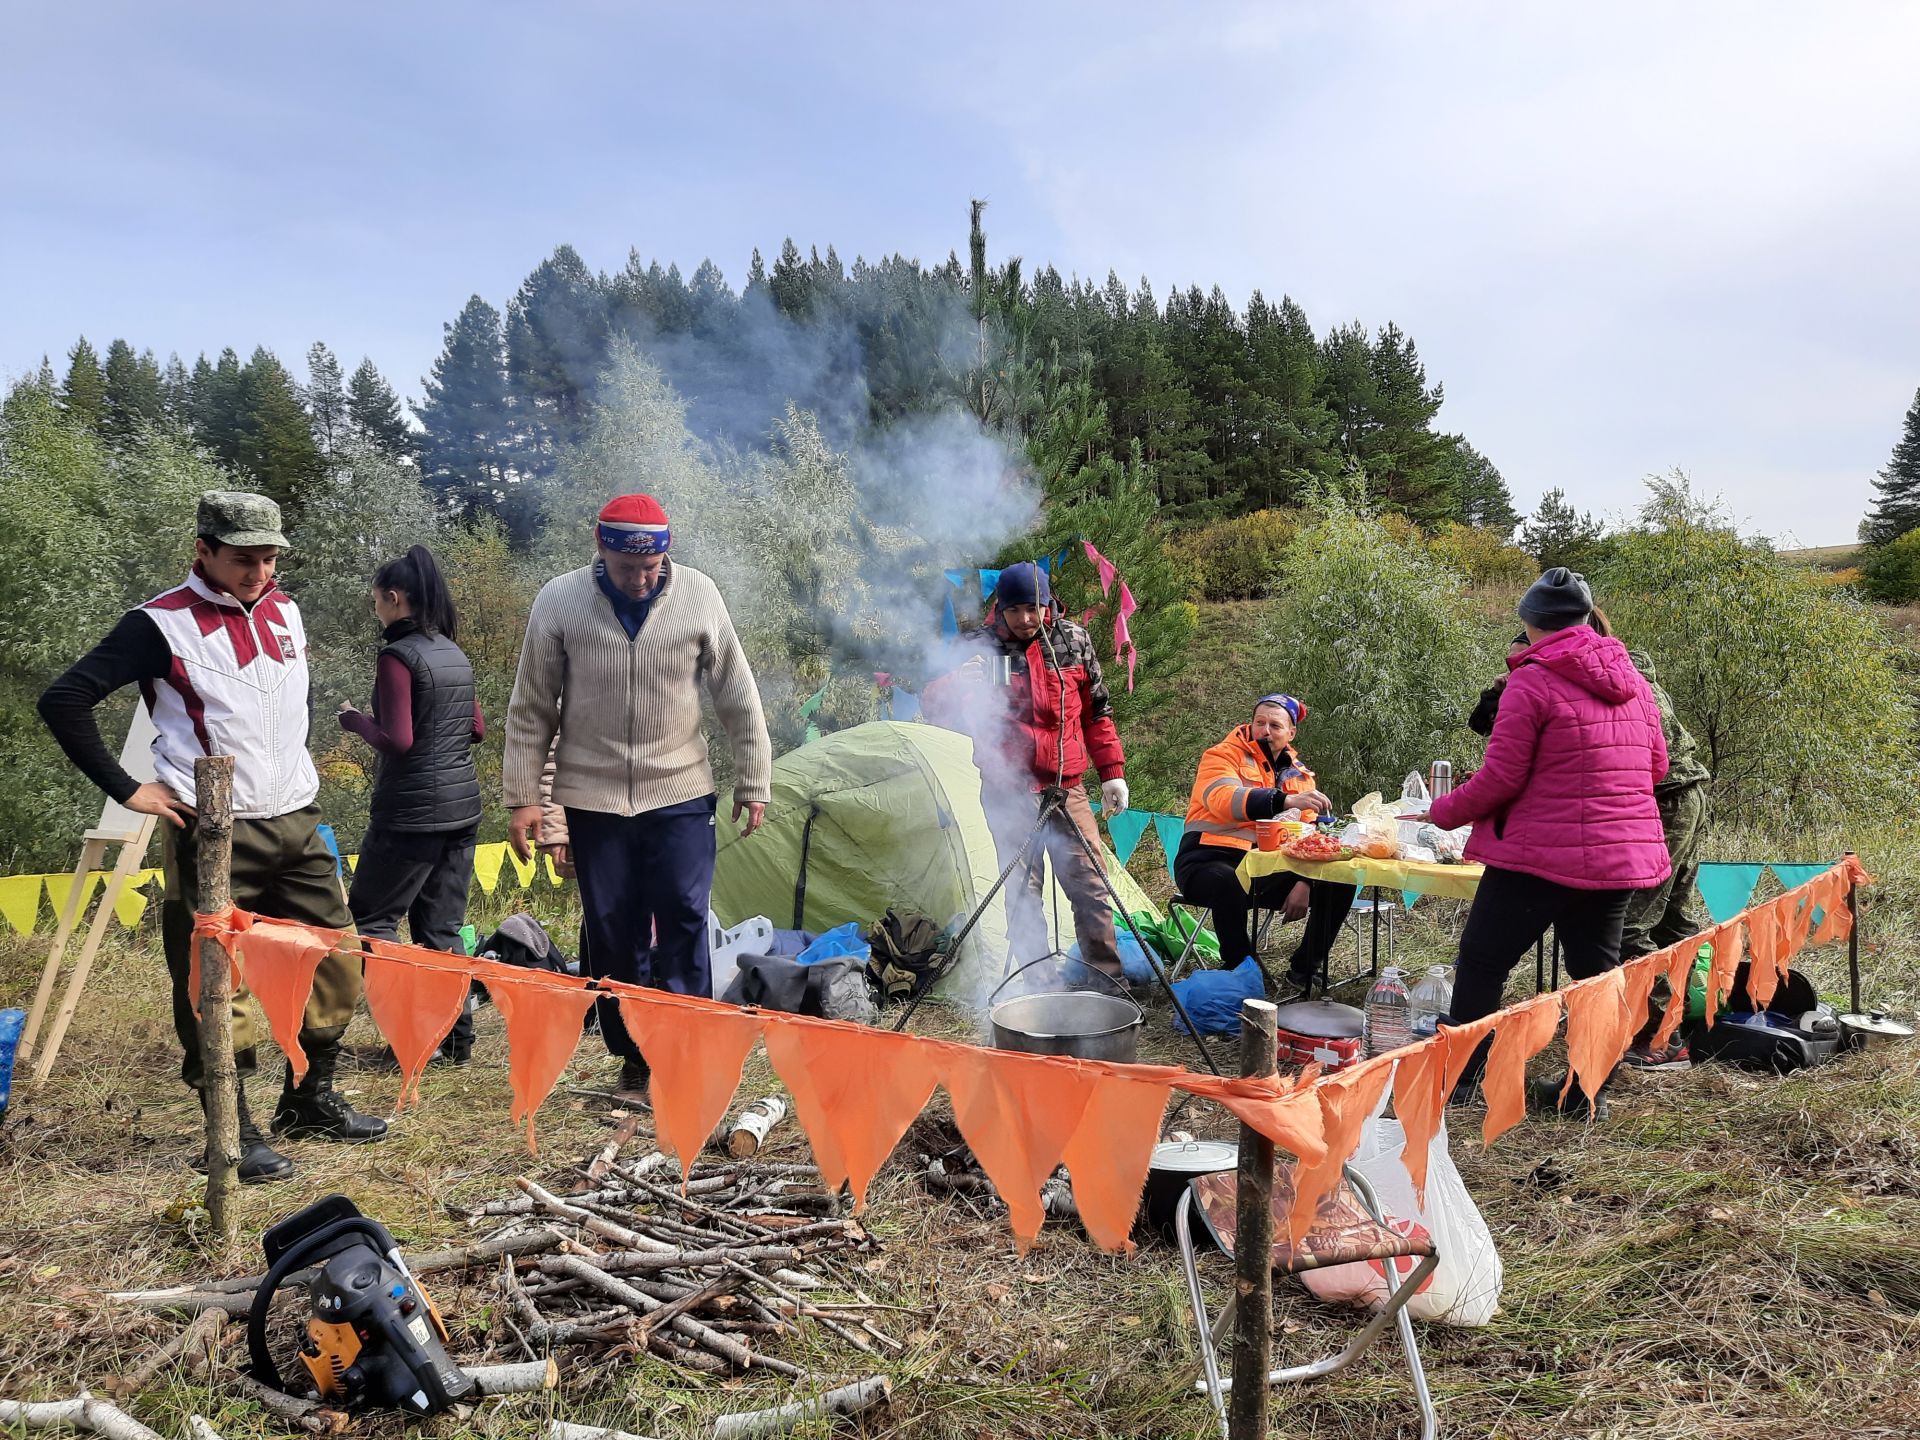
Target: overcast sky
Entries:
(1625, 237)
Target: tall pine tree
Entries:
(465, 415)
(84, 396)
(326, 400)
(275, 441)
(133, 393)
(1480, 491)
(375, 412)
(556, 338)
(1896, 508)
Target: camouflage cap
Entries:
(239, 517)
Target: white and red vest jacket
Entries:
(237, 686)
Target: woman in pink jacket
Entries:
(1562, 809)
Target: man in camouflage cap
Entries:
(222, 663)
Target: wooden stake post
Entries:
(213, 866)
(1253, 1239)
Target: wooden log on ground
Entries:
(851, 1399)
(220, 1080)
(83, 1412)
(628, 1127)
(205, 1330)
(309, 1415)
(750, 1127)
(561, 1430)
(522, 1379)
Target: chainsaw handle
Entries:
(259, 1355)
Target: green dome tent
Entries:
(885, 814)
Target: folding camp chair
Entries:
(1200, 914)
(1349, 1228)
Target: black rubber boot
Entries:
(260, 1163)
(315, 1108)
(1543, 1098)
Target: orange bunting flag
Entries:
(544, 1013)
(1016, 1112)
(1830, 894)
(855, 1092)
(1460, 1041)
(1795, 918)
(1729, 943)
(1679, 963)
(695, 1049)
(1598, 1031)
(1283, 1110)
(1523, 1032)
(414, 996)
(1112, 1150)
(1345, 1103)
(1641, 974)
(225, 926)
(1765, 960)
(1417, 1102)
(277, 961)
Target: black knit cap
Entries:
(1556, 600)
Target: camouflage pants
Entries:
(1659, 916)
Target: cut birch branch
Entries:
(205, 1329)
(309, 1415)
(628, 1127)
(519, 1379)
(200, 1429)
(704, 1335)
(750, 1127)
(83, 1412)
(561, 1430)
(847, 1400)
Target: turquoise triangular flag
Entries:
(1727, 888)
(1794, 876)
(988, 579)
(1169, 828)
(1407, 897)
(957, 578)
(1126, 828)
(949, 622)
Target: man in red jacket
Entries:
(1038, 710)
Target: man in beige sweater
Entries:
(626, 644)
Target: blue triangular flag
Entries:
(1727, 888)
(333, 846)
(1126, 828)
(906, 705)
(1407, 897)
(949, 622)
(956, 578)
(1169, 828)
(1794, 876)
(1046, 564)
(988, 579)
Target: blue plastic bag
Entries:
(841, 940)
(12, 1022)
(1213, 997)
(1135, 968)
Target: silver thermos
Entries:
(1440, 779)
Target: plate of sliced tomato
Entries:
(1315, 847)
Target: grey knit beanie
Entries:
(1556, 600)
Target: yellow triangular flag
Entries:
(130, 904)
(487, 860)
(523, 868)
(20, 901)
(353, 862)
(59, 887)
(552, 874)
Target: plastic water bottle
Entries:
(1389, 1013)
(1432, 998)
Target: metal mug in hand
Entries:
(1000, 668)
(1440, 779)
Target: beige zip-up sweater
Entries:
(630, 736)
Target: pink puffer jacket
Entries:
(1566, 792)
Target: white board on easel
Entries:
(132, 832)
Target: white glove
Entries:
(1113, 795)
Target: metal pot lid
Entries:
(1321, 1019)
(1877, 1023)
(1195, 1157)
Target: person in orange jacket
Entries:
(1255, 774)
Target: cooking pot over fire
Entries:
(1088, 1024)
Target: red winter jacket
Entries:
(1019, 728)
(1566, 792)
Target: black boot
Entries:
(1543, 1098)
(315, 1108)
(260, 1163)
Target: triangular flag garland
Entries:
(1727, 888)
(1023, 1115)
(487, 860)
(1169, 828)
(20, 901)
(1126, 828)
(414, 1002)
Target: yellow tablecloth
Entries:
(1454, 882)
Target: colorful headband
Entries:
(630, 539)
(1287, 703)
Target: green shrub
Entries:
(1482, 555)
(1236, 559)
(1793, 688)
(1377, 640)
(1891, 574)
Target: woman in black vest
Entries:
(417, 857)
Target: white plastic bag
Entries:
(1464, 1289)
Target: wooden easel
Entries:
(132, 833)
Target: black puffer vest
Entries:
(433, 786)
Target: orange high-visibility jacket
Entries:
(1217, 809)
